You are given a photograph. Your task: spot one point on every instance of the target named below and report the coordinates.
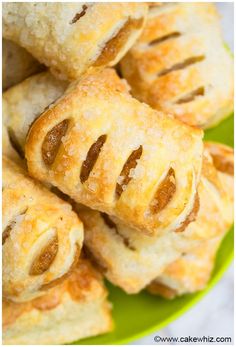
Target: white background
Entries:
(213, 316)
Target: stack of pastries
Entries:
(105, 171)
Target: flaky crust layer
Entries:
(180, 65)
(71, 37)
(75, 309)
(131, 260)
(42, 236)
(108, 151)
(192, 271)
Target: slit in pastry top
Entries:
(116, 43)
(164, 38)
(164, 193)
(124, 176)
(79, 15)
(91, 158)
(52, 142)
(45, 258)
(182, 65)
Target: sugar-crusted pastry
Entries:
(42, 236)
(17, 64)
(192, 271)
(180, 65)
(108, 151)
(71, 37)
(26, 101)
(131, 260)
(75, 309)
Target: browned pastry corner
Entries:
(42, 236)
(112, 153)
(71, 37)
(192, 271)
(74, 309)
(180, 64)
(17, 64)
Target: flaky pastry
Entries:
(180, 65)
(75, 309)
(42, 236)
(109, 152)
(71, 37)
(131, 260)
(192, 271)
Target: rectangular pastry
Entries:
(192, 271)
(131, 260)
(71, 37)
(112, 153)
(42, 236)
(75, 309)
(180, 64)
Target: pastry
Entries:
(42, 236)
(192, 271)
(112, 153)
(17, 64)
(71, 37)
(25, 102)
(75, 309)
(131, 260)
(180, 64)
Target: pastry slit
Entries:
(124, 176)
(46, 257)
(179, 66)
(191, 96)
(164, 193)
(79, 15)
(113, 226)
(59, 280)
(15, 143)
(91, 158)
(165, 38)
(52, 142)
(191, 217)
(113, 46)
(7, 231)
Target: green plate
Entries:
(142, 314)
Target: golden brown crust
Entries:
(105, 126)
(174, 68)
(192, 271)
(66, 40)
(75, 309)
(42, 235)
(131, 260)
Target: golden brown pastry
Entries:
(192, 271)
(71, 37)
(42, 236)
(110, 152)
(180, 65)
(131, 260)
(25, 102)
(17, 64)
(75, 309)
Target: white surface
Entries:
(213, 315)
